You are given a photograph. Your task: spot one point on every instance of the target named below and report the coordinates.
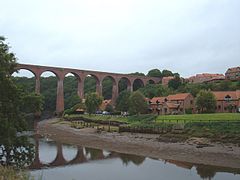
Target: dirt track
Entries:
(143, 144)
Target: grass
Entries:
(101, 117)
(166, 118)
(218, 127)
(200, 117)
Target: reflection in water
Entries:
(90, 156)
(127, 158)
(18, 152)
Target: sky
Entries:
(123, 36)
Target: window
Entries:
(191, 102)
(219, 107)
(227, 98)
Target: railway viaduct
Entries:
(81, 75)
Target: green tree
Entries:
(107, 85)
(175, 83)
(109, 108)
(93, 101)
(154, 73)
(13, 149)
(122, 102)
(166, 73)
(72, 100)
(206, 102)
(32, 103)
(137, 103)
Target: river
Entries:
(54, 160)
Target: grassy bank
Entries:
(218, 127)
(166, 118)
(200, 117)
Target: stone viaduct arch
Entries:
(81, 75)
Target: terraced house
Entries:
(227, 101)
(173, 104)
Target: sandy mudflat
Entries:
(217, 154)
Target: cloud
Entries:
(125, 36)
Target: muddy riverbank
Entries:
(216, 154)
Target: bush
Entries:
(188, 111)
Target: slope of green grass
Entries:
(200, 117)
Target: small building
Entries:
(227, 101)
(173, 104)
(79, 111)
(233, 74)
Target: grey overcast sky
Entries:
(185, 36)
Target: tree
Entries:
(32, 103)
(154, 73)
(109, 108)
(13, 149)
(166, 73)
(10, 98)
(206, 102)
(107, 85)
(137, 103)
(175, 83)
(72, 100)
(122, 102)
(93, 101)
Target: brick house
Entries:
(227, 101)
(173, 104)
(233, 73)
(206, 77)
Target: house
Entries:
(173, 104)
(227, 101)
(233, 73)
(206, 77)
(155, 104)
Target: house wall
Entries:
(222, 106)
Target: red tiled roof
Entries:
(220, 95)
(181, 96)
(159, 99)
(174, 97)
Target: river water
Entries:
(54, 160)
